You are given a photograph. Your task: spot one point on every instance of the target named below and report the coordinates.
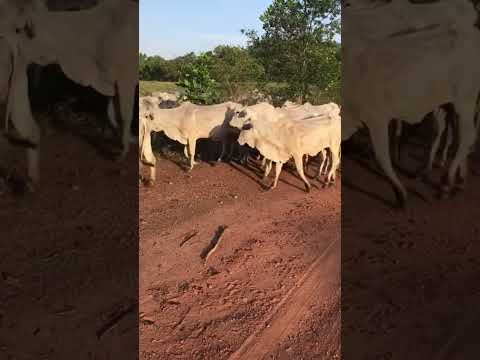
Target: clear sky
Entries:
(176, 27)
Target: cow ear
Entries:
(247, 126)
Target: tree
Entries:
(200, 87)
(298, 46)
(235, 70)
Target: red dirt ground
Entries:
(69, 255)
(410, 284)
(271, 289)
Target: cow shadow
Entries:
(369, 167)
(62, 105)
(247, 171)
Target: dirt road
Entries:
(410, 286)
(69, 253)
(271, 288)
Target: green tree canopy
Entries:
(298, 45)
(200, 87)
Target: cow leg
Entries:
(328, 162)
(381, 147)
(322, 159)
(25, 124)
(396, 141)
(264, 161)
(268, 168)
(153, 173)
(305, 164)
(448, 143)
(325, 161)
(334, 165)
(278, 170)
(126, 94)
(299, 165)
(466, 134)
(185, 151)
(224, 151)
(192, 143)
(440, 122)
(112, 114)
(33, 166)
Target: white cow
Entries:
(398, 78)
(94, 47)
(269, 113)
(145, 152)
(289, 137)
(189, 122)
(314, 110)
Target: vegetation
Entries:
(149, 87)
(195, 78)
(295, 57)
(298, 47)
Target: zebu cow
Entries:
(398, 77)
(94, 47)
(145, 152)
(189, 122)
(266, 112)
(289, 137)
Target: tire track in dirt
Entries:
(318, 280)
(197, 310)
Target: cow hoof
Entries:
(307, 189)
(150, 183)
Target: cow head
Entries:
(247, 135)
(147, 106)
(238, 119)
(18, 17)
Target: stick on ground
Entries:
(213, 243)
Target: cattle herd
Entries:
(400, 62)
(103, 57)
(278, 134)
(422, 59)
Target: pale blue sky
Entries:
(174, 28)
